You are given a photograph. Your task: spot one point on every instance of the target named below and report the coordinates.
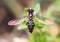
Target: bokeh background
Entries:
(49, 10)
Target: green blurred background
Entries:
(47, 11)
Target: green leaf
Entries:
(37, 9)
(25, 11)
(58, 36)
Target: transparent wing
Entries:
(38, 14)
(16, 22)
(20, 24)
(39, 23)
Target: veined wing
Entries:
(39, 23)
(16, 22)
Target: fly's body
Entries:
(30, 22)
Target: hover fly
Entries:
(31, 20)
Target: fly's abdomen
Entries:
(31, 25)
